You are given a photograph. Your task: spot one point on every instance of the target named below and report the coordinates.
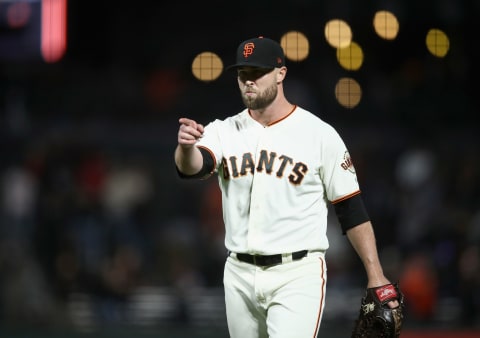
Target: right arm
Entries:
(188, 158)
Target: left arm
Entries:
(363, 240)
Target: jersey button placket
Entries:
(255, 216)
(257, 196)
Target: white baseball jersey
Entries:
(276, 180)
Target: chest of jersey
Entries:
(266, 152)
(280, 151)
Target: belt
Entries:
(268, 260)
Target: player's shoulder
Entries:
(313, 120)
(239, 118)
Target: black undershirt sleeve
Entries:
(207, 168)
(351, 212)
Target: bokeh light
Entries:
(18, 14)
(207, 66)
(437, 42)
(295, 46)
(348, 92)
(54, 30)
(350, 57)
(386, 25)
(338, 33)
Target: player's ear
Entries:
(281, 74)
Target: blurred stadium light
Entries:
(33, 30)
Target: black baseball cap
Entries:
(259, 52)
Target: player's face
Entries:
(258, 87)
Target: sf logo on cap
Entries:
(248, 49)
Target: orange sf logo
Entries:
(248, 49)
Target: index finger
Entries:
(191, 123)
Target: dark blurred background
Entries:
(98, 235)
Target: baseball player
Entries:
(278, 167)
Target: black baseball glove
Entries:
(376, 318)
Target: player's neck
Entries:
(274, 112)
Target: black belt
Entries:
(260, 260)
